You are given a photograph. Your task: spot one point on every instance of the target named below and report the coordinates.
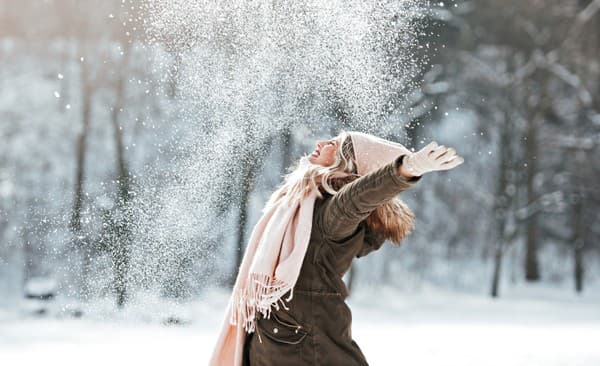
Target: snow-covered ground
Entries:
(527, 326)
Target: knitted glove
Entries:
(430, 158)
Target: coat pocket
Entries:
(282, 331)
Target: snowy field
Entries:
(529, 327)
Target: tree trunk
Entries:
(502, 202)
(81, 150)
(28, 258)
(531, 256)
(578, 224)
(120, 249)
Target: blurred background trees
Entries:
(93, 124)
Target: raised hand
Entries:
(431, 158)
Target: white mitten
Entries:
(430, 158)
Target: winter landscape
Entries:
(140, 139)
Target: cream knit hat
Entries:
(372, 152)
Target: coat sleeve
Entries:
(356, 200)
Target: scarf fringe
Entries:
(261, 294)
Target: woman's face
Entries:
(324, 153)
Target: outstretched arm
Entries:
(357, 199)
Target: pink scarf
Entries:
(272, 262)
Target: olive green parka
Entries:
(316, 330)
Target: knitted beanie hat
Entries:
(372, 152)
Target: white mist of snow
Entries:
(246, 71)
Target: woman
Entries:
(287, 306)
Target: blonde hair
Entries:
(394, 219)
